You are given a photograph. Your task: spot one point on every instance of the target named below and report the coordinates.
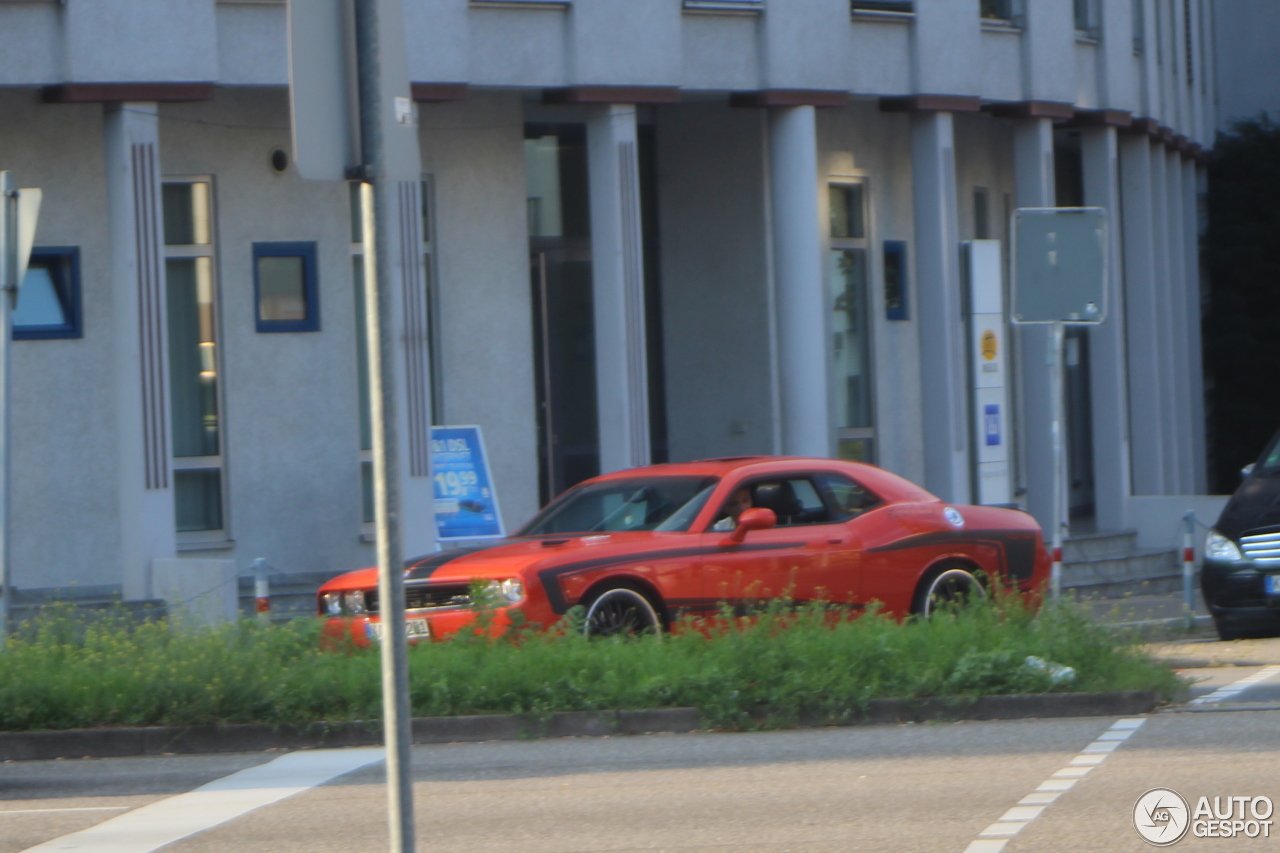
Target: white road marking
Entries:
(68, 809)
(163, 822)
(1235, 688)
(997, 835)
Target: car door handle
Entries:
(837, 541)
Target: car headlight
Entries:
(1219, 547)
(333, 603)
(512, 589)
(355, 602)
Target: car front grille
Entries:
(1263, 548)
(427, 596)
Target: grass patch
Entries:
(66, 672)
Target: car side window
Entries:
(847, 498)
(794, 500)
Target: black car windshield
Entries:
(1269, 464)
(640, 503)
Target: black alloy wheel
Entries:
(621, 612)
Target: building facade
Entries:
(645, 231)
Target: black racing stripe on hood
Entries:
(421, 568)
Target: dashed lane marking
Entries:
(163, 822)
(1235, 688)
(997, 835)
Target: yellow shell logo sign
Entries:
(989, 345)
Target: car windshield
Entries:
(640, 503)
(1269, 463)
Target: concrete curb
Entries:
(254, 737)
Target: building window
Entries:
(1008, 12)
(981, 214)
(49, 301)
(892, 8)
(1139, 26)
(194, 390)
(848, 275)
(1088, 19)
(723, 7)
(284, 286)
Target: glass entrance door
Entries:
(563, 320)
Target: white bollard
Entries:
(261, 589)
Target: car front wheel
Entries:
(621, 611)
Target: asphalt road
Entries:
(1071, 784)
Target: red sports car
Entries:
(640, 548)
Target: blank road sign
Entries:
(1059, 265)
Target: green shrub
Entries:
(64, 672)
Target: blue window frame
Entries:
(895, 280)
(49, 302)
(286, 293)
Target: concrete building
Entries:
(646, 230)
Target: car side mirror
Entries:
(758, 518)
(1246, 471)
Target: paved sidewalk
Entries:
(1141, 608)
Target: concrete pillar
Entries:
(1137, 227)
(800, 298)
(413, 382)
(1195, 354)
(942, 333)
(617, 269)
(1034, 187)
(1180, 362)
(1165, 374)
(144, 491)
(1109, 402)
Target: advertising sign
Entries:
(466, 505)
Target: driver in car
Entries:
(738, 503)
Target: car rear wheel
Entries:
(950, 588)
(621, 611)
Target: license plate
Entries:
(414, 629)
(1273, 584)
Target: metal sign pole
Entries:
(1059, 457)
(8, 287)
(376, 213)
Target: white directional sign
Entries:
(19, 213)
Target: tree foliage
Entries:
(1242, 324)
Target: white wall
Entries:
(290, 413)
(711, 174)
(475, 150)
(877, 146)
(63, 423)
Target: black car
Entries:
(1241, 574)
